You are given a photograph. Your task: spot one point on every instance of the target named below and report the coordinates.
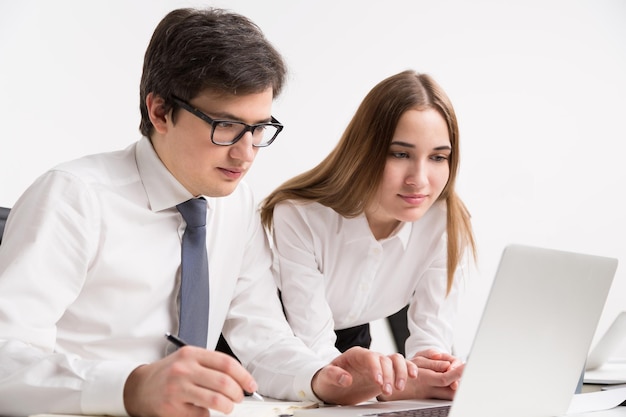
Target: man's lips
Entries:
(232, 173)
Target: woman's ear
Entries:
(156, 112)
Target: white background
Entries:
(539, 87)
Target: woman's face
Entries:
(416, 171)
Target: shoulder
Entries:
(303, 206)
(305, 209)
(81, 177)
(305, 215)
(109, 167)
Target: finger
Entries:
(401, 370)
(436, 355)
(238, 381)
(388, 374)
(336, 376)
(412, 369)
(329, 382)
(456, 363)
(443, 356)
(366, 360)
(432, 364)
(454, 374)
(429, 354)
(215, 379)
(453, 360)
(440, 379)
(202, 398)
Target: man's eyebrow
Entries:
(233, 118)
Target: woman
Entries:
(376, 226)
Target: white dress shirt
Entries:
(89, 271)
(333, 274)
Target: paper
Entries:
(267, 408)
(247, 408)
(597, 400)
(609, 373)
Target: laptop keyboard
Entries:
(422, 412)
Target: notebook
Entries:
(531, 342)
(600, 369)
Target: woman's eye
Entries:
(400, 155)
(440, 158)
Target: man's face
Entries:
(186, 149)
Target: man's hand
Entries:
(186, 384)
(438, 377)
(360, 375)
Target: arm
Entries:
(46, 278)
(430, 317)
(302, 285)
(44, 257)
(432, 312)
(286, 369)
(283, 366)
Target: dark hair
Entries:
(348, 178)
(213, 49)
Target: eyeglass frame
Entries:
(246, 127)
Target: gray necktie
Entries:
(194, 287)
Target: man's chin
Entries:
(222, 191)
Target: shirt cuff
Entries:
(302, 383)
(103, 392)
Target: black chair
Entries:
(4, 213)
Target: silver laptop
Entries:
(531, 343)
(599, 368)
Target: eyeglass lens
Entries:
(228, 132)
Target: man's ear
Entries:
(156, 112)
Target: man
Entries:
(90, 263)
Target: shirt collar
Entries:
(360, 229)
(162, 188)
(403, 233)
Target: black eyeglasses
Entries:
(228, 132)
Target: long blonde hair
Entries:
(348, 178)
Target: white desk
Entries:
(614, 412)
(273, 408)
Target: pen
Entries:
(178, 342)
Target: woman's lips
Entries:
(414, 199)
